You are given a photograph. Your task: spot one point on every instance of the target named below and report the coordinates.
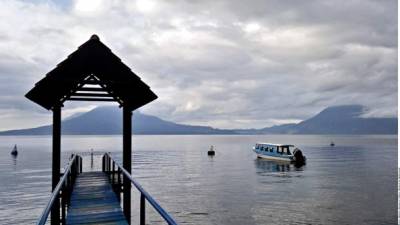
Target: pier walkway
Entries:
(97, 197)
(93, 201)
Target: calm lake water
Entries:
(354, 182)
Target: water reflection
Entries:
(264, 165)
(14, 160)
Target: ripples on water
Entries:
(351, 183)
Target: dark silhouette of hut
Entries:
(92, 73)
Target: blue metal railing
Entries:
(111, 167)
(62, 192)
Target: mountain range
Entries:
(338, 120)
(108, 121)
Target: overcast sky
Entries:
(227, 64)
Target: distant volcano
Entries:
(108, 120)
(339, 120)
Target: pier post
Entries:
(127, 160)
(55, 212)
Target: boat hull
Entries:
(274, 158)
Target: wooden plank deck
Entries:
(94, 202)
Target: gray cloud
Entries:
(219, 63)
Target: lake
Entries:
(354, 182)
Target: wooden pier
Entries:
(93, 73)
(93, 201)
(95, 197)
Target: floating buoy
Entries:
(14, 152)
(211, 151)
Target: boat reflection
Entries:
(264, 165)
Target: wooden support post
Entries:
(63, 204)
(142, 210)
(109, 165)
(119, 184)
(107, 161)
(113, 172)
(102, 163)
(80, 164)
(55, 212)
(127, 160)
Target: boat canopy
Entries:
(277, 145)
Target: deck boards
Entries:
(94, 202)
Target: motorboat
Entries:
(279, 152)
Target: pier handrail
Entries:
(144, 194)
(74, 166)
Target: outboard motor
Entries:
(299, 158)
